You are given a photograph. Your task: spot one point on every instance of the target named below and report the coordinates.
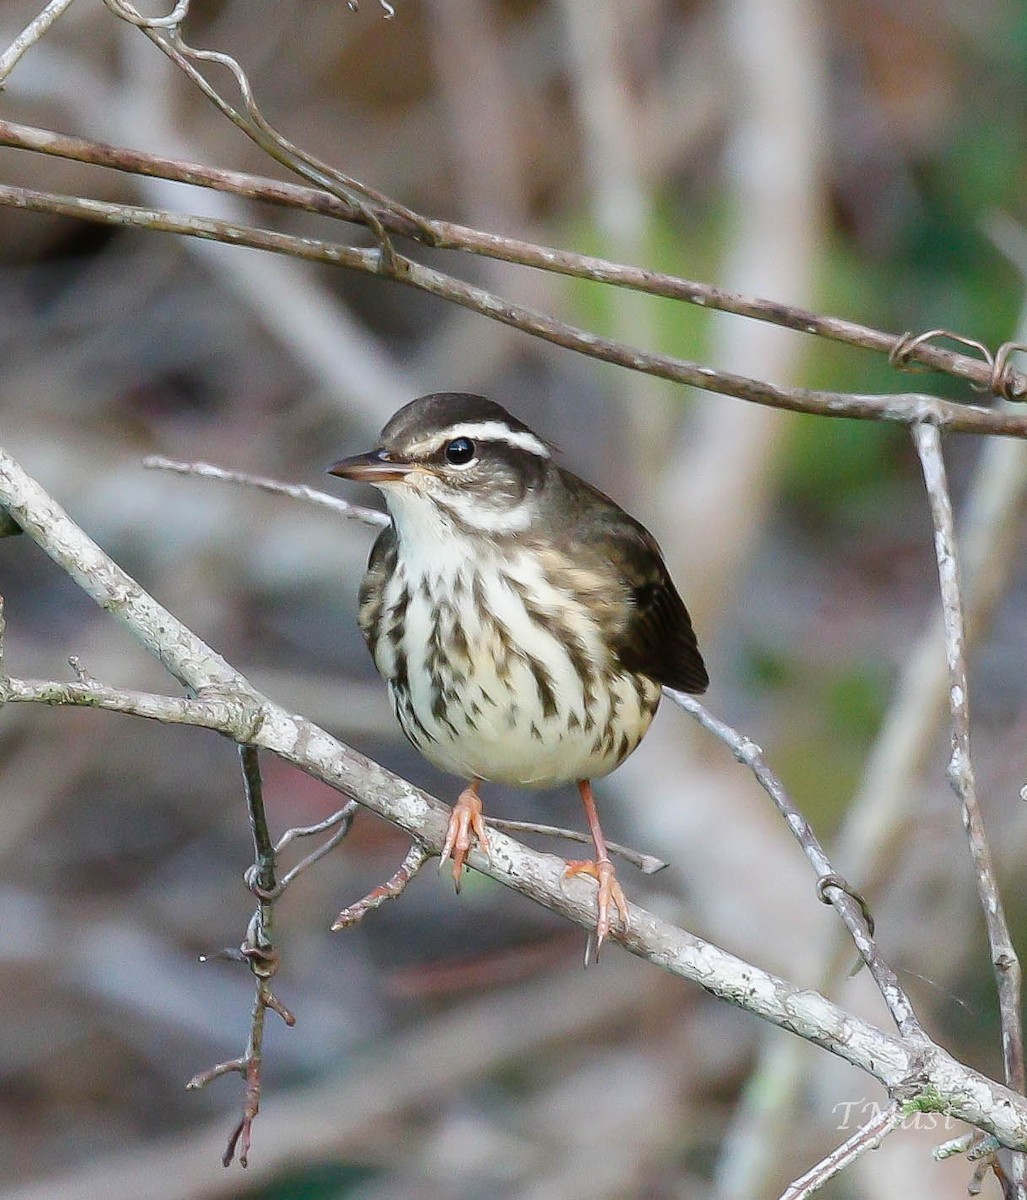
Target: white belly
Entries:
(506, 697)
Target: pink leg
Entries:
(466, 819)
(601, 869)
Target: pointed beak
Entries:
(375, 467)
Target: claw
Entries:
(611, 895)
(466, 819)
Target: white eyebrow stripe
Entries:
(486, 431)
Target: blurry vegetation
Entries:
(123, 847)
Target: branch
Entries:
(831, 886)
(867, 1137)
(961, 774)
(920, 1076)
(259, 953)
(297, 491)
(648, 864)
(165, 33)
(28, 37)
(391, 889)
(447, 235)
(341, 820)
(877, 822)
(904, 408)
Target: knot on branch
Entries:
(839, 882)
(263, 960)
(243, 714)
(746, 751)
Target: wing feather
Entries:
(655, 637)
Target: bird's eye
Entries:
(459, 452)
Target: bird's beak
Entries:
(374, 467)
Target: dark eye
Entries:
(460, 451)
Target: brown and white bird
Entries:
(523, 622)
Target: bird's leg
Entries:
(466, 819)
(601, 869)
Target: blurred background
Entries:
(865, 158)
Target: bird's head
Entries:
(454, 461)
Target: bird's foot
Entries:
(611, 894)
(466, 819)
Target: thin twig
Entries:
(170, 20)
(344, 820)
(867, 1137)
(961, 774)
(648, 864)
(263, 848)
(259, 952)
(393, 887)
(167, 37)
(448, 235)
(342, 815)
(223, 712)
(297, 491)
(851, 908)
(28, 37)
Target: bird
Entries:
(524, 624)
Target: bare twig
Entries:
(165, 33)
(170, 20)
(393, 887)
(259, 952)
(210, 712)
(449, 235)
(648, 864)
(875, 827)
(343, 820)
(28, 37)
(867, 1137)
(851, 908)
(298, 491)
(961, 774)
(342, 816)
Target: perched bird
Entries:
(523, 622)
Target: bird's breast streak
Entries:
(506, 679)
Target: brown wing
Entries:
(658, 640)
